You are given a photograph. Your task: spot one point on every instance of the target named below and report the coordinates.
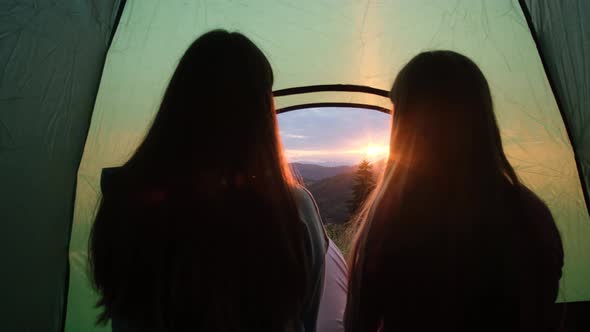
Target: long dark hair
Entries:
(200, 228)
(443, 244)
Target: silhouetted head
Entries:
(200, 228)
(443, 243)
(444, 118)
(217, 111)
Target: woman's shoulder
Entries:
(542, 223)
(308, 210)
(534, 205)
(304, 198)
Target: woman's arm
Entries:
(333, 301)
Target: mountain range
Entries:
(312, 172)
(331, 187)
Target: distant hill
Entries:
(311, 172)
(332, 195)
(331, 187)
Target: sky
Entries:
(334, 136)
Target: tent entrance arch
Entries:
(341, 96)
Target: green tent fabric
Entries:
(563, 35)
(51, 60)
(324, 53)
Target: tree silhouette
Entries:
(364, 183)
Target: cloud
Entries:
(293, 136)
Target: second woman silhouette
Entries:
(452, 240)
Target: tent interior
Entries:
(81, 82)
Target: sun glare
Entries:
(374, 152)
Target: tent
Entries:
(81, 80)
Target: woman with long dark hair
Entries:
(451, 240)
(204, 228)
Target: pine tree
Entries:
(364, 183)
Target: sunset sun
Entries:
(374, 152)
